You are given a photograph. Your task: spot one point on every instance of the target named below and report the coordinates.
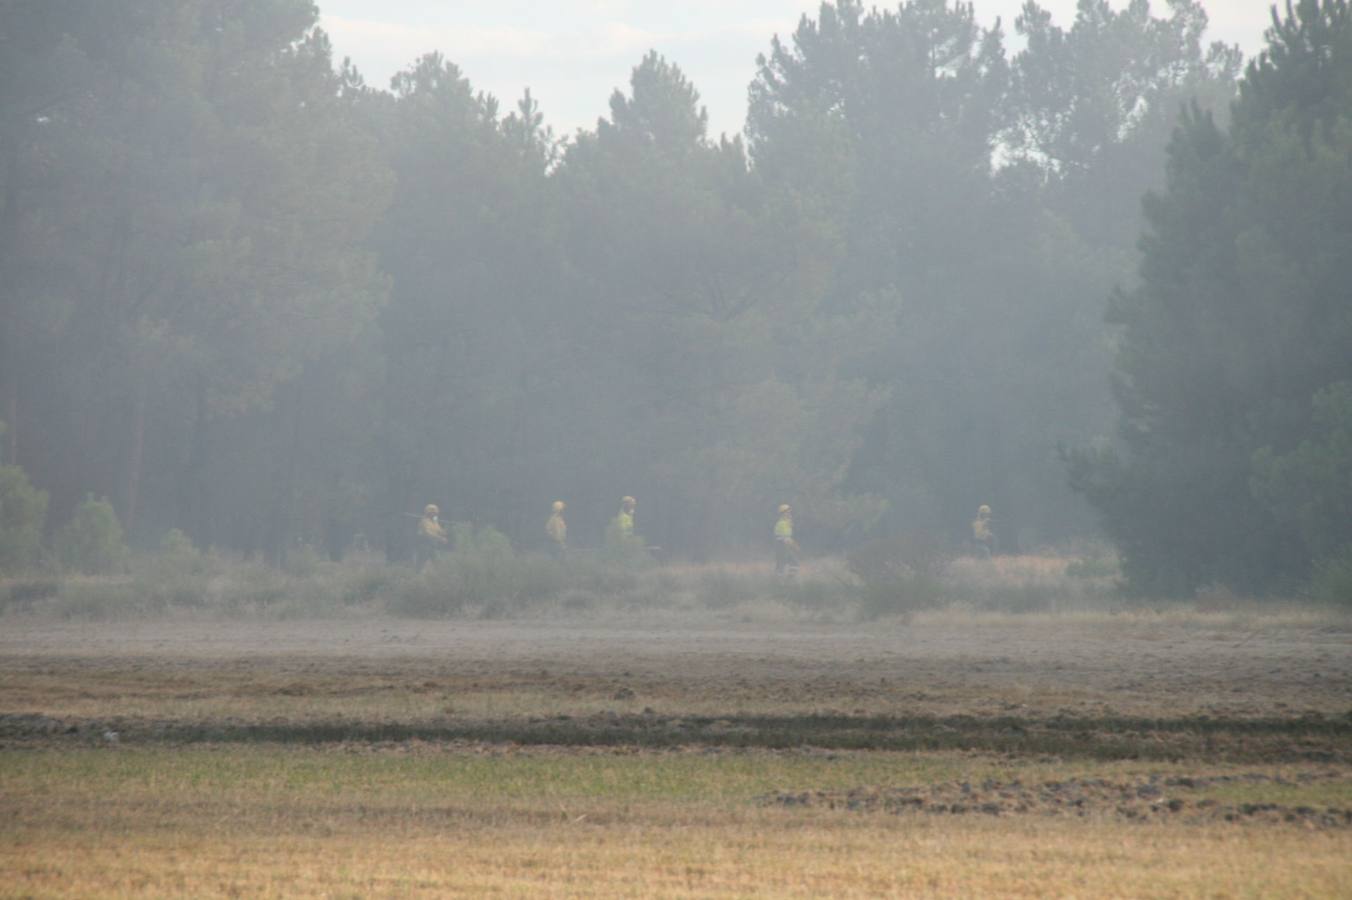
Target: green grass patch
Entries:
(486, 775)
(1318, 793)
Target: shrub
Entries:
(102, 600)
(177, 544)
(720, 589)
(624, 549)
(23, 510)
(484, 540)
(901, 597)
(302, 561)
(371, 582)
(886, 559)
(820, 595)
(1026, 584)
(1332, 582)
(423, 597)
(251, 589)
(899, 575)
(1093, 567)
(484, 575)
(176, 556)
(594, 575)
(1216, 598)
(1019, 597)
(177, 574)
(481, 573)
(91, 542)
(26, 592)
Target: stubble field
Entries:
(1136, 754)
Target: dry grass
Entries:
(1011, 568)
(766, 856)
(492, 821)
(503, 585)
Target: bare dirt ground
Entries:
(1037, 666)
(1125, 687)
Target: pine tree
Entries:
(1243, 314)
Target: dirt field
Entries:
(1127, 755)
(1032, 666)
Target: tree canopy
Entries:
(1234, 347)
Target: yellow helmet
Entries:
(430, 510)
(558, 506)
(784, 507)
(984, 510)
(628, 501)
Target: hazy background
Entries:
(1091, 270)
(573, 53)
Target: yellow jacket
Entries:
(431, 529)
(557, 529)
(981, 529)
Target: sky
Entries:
(573, 54)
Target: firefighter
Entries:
(557, 529)
(786, 548)
(431, 536)
(624, 520)
(622, 543)
(983, 533)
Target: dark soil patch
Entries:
(1153, 799)
(1303, 739)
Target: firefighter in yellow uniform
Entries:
(557, 529)
(624, 520)
(431, 536)
(786, 548)
(983, 535)
(623, 543)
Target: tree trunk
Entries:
(138, 441)
(284, 494)
(192, 511)
(9, 369)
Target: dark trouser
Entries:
(425, 552)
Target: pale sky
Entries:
(573, 53)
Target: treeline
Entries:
(251, 297)
(1234, 362)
